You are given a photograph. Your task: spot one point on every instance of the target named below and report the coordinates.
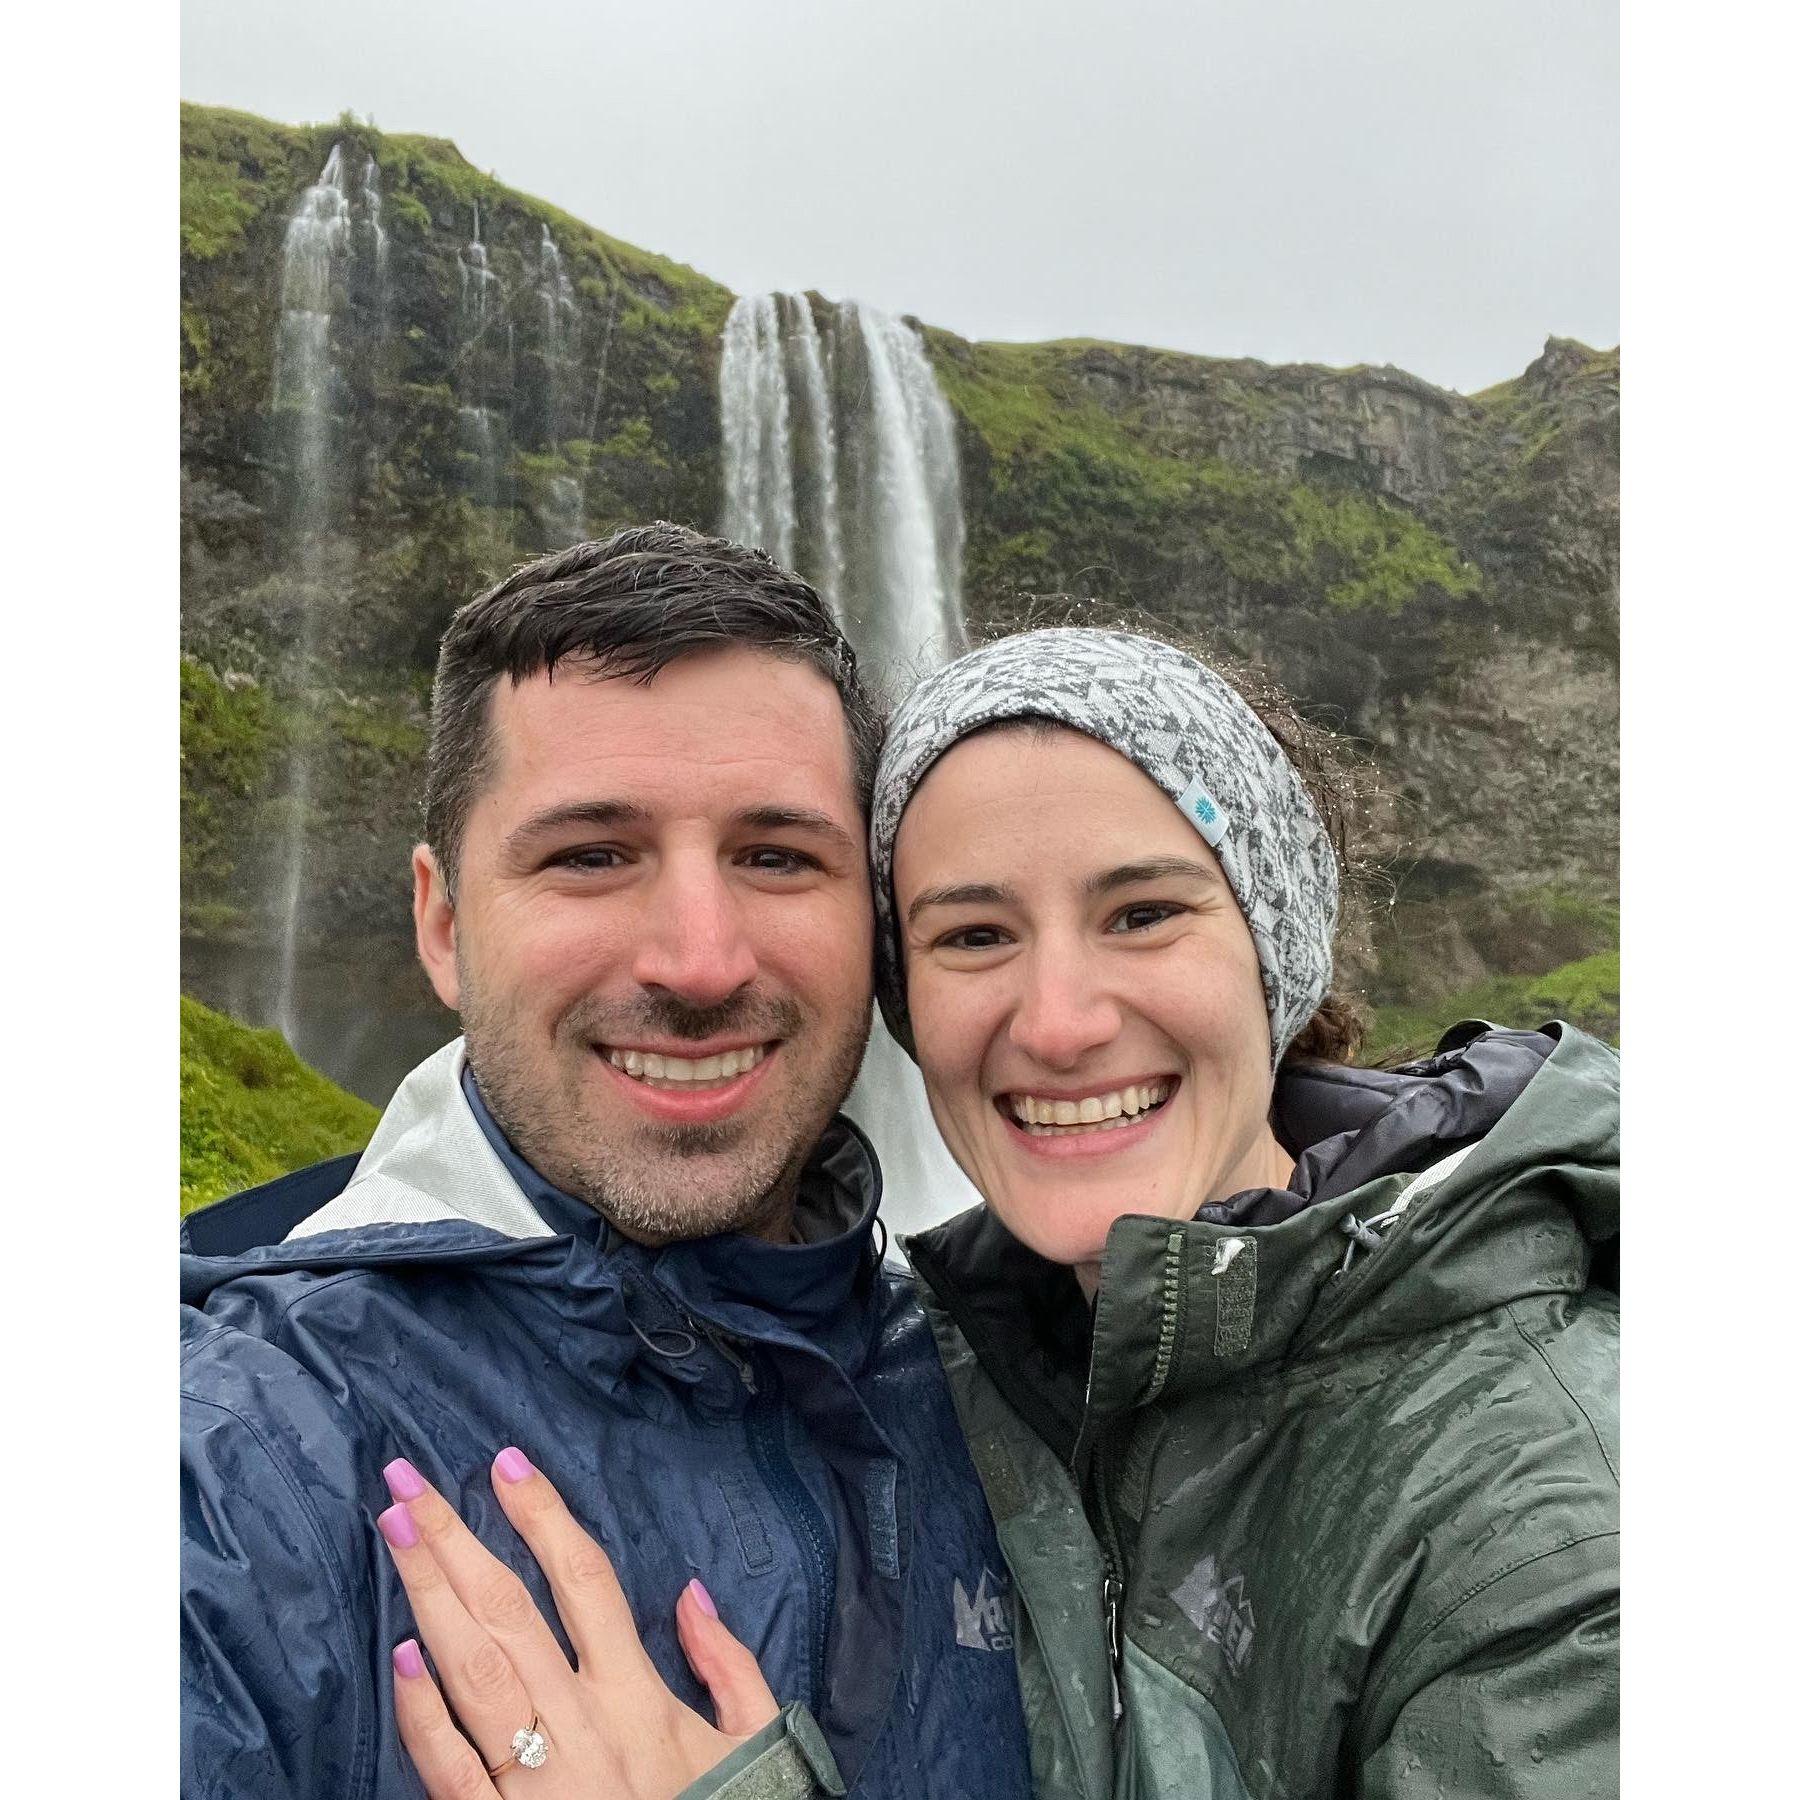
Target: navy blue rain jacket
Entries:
(772, 1419)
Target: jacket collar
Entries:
(1408, 1212)
(440, 1182)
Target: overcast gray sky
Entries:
(1432, 183)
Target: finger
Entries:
(476, 1671)
(446, 1762)
(742, 1703)
(490, 1593)
(589, 1600)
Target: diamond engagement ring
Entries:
(529, 1749)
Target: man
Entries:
(616, 1224)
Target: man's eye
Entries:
(1144, 915)
(773, 859)
(590, 856)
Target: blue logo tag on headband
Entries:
(1208, 817)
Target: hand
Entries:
(611, 1725)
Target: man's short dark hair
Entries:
(627, 607)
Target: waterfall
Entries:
(753, 404)
(865, 501)
(561, 512)
(556, 303)
(481, 308)
(915, 603)
(816, 386)
(378, 242)
(307, 402)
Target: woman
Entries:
(1293, 1403)
(1323, 1485)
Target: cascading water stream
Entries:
(560, 320)
(884, 547)
(315, 255)
(754, 415)
(482, 300)
(916, 618)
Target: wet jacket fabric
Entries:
(1328, 1482)
(770, 1418)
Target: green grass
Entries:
(1584, 993)
(252, 1110)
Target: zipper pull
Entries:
(1112, 1591)
(722, 1344)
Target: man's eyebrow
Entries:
(598, 815)
(798, 818)
(1152, 868)
(968, 893)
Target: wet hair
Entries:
(623, 608)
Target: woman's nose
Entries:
(694, 943)
(1064, 1013)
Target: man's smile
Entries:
(676, 1090)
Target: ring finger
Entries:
(477, 1675)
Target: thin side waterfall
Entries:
(559, 325)
(371, 193)
(482, 308)
(865, 501)
(314, 280)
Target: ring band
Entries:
(529, 1750)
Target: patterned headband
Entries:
(1191, 733)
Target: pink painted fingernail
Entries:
(398, 1528)
(697, 1588)
(408, 1661)
(513, 1465)
(404, 1481)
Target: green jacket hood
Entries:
(1422, 1195)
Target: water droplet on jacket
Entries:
(1537, 1748)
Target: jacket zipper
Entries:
(1112, 1583)
(768, 1446)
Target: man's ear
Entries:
(434, 925)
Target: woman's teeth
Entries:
(1098, 1112)
(679, 1072)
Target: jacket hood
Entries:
(433, 1189)
(1421, 1195)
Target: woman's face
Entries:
(1085, 996)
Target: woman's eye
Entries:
(972, 937)
(1145, 915)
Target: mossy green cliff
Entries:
(1436, 572)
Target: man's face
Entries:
(672, 870)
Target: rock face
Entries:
(1437, 573)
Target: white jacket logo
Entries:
(1220, 1612)
(981, 1621)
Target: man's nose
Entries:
(694, 943)
(1064, 1012)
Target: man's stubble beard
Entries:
(668, 1182)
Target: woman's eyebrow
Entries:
(969, 893)
(1152, 868)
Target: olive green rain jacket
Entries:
(1325, 1497)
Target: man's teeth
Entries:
(1098, 1112)
(679, 1071)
